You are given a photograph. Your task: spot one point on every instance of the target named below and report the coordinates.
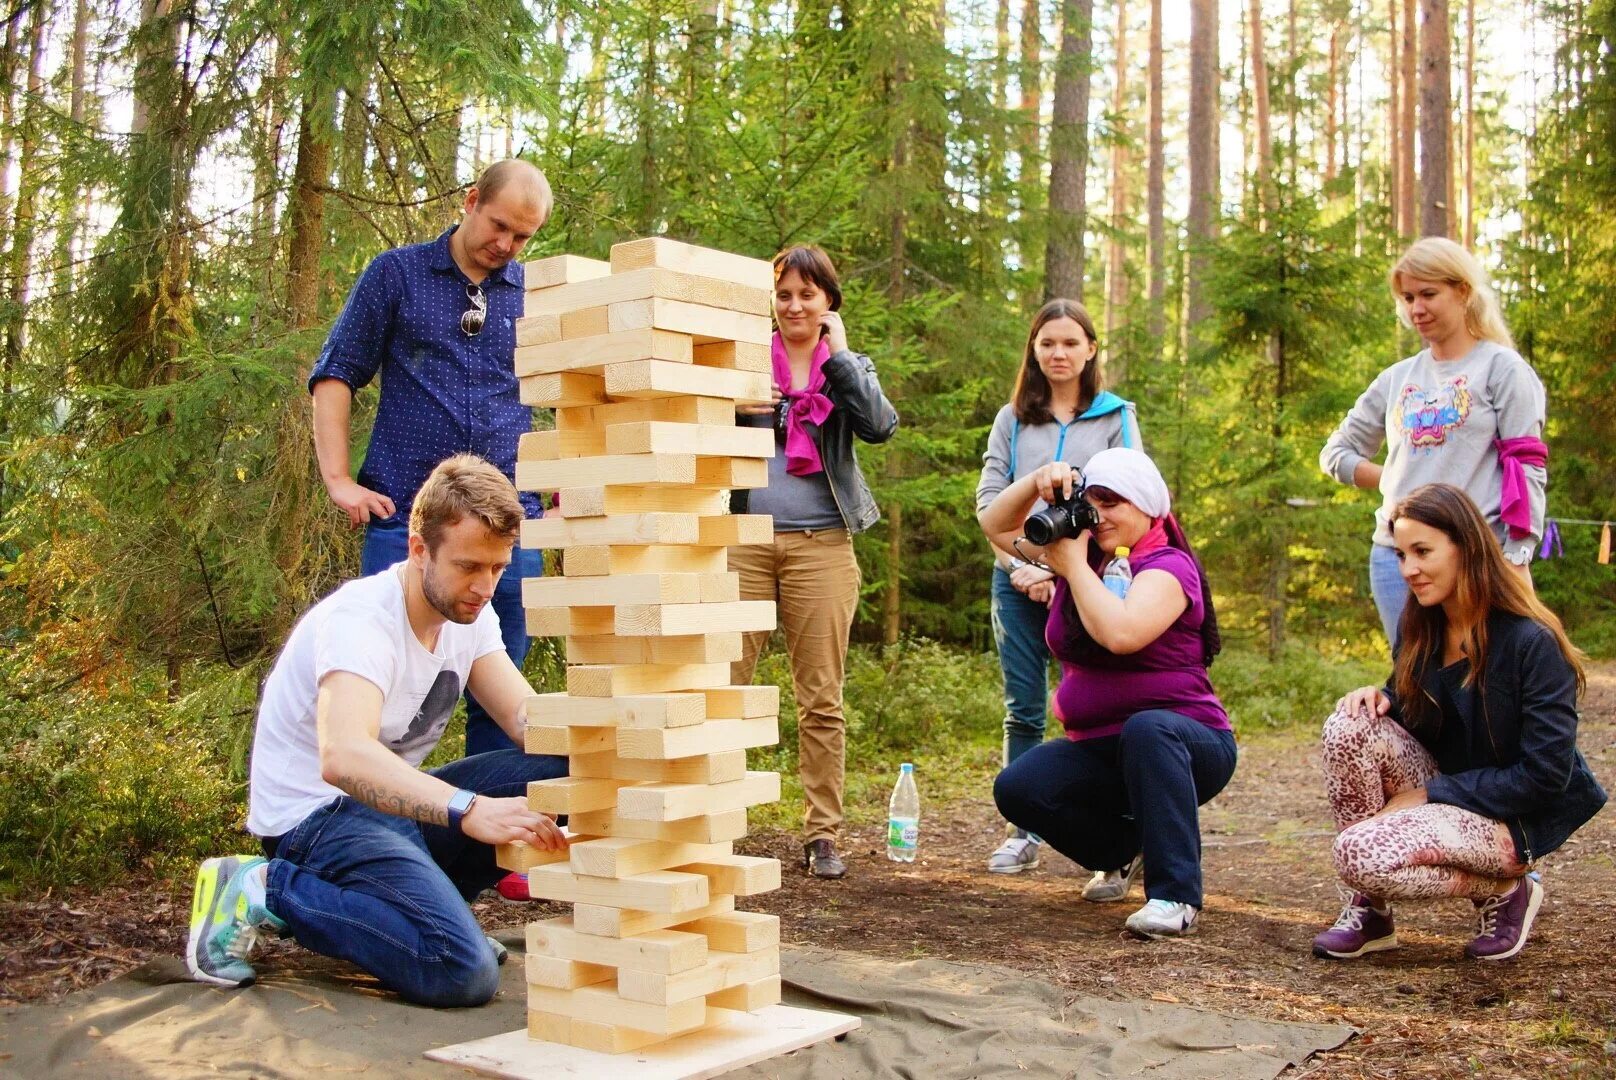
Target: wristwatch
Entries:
(459, 806)
(1016, 563)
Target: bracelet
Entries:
(1016, 563)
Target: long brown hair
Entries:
(1031, 395)
(1485, 584)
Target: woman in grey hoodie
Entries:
(1466, 410)
(1057, 412)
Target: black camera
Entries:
(782, 416)
(1063, 518)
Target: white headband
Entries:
(1132, 475)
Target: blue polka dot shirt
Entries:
(443, 392)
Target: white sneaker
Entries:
(1108, 886)
(1015, 855)
(1163, 918)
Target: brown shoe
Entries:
(821, 860)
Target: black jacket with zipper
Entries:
(1521, 764)
(860, 408)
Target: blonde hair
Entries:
(460, 487)
(1436, 258)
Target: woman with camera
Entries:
(1459, 773)
(1057, 412)
(825, 394)
(1465, 410)
(1147, 740)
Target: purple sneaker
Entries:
(1505, 922)
(1359, 929)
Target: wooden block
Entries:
(560, 622)
(597, 561)
(562, 974)
(742, 702)
(705, 829)
(736, 355)
(738, 875)
(731, 530)
(643, 712)
(721, 768)
(658, 378)
(617, 680)
(572, 794)
(598, 1038)
(718, 973)
(680, 410)
(712, 737)
(566, 741)
(690, 259)
(549, 592)
(603, 1005)
(666, 620)
(626, 856)
(614, 922)
(562, 390)
(600, 501)
(628, 470)
(628, 529)
(648, 283)
(660, 891)
(737, 932)
(579, 353)
(670, 802)
(543, 445)
(748, 997)
(704, 440)
(695, 649)
(519, 858)
(555, 270)
(702, 323)
(661, 951)
(541, 330)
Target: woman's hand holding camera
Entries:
(1055, 480)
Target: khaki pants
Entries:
(814, 580)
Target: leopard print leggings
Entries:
(1419, 853)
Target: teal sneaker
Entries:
(225, 922)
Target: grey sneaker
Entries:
(225, 924)
(501, 953)
(1109, 886)
(1163, 918)
(1018, 853)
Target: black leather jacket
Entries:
(1522, 765)
(860, 409)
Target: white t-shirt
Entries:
(362, 628)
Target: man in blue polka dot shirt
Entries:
(437, 322)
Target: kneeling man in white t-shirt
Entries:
(370, 858)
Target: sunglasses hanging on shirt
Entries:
(471, 323)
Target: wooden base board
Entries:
(745, 1040)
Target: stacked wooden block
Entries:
(644, 360)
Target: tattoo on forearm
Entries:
(391, 802)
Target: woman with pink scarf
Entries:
(1466, 410)
(825, 394)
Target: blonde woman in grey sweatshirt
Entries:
(1465, 410)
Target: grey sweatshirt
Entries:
(1036, 444)
(1438, 420)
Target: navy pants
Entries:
(388, 542)
(1101, 802)
(389, 894)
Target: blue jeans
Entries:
(1018, 631)
(389, 894)
(1102, 801)
(1389, 589)
(388, 542)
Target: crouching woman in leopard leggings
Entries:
(1464, 769)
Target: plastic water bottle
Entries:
(1118, 574)
(903, 817)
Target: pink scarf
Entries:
(808, 404)
(1514, 502)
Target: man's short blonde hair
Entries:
(460, 487)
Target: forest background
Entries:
(191, 189)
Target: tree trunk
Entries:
(310, 176)
(1203, 146)
(1407, 222)
(1265, 130)
(1436, 104)
(1394, 114)
(1031, 80)
(20, 264)
(1116, 277)
(1330, 102)
(1469, 230)
(1155, 184)
(69, 188)
(1069, 154)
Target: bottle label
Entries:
(903, 833)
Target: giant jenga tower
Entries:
(644, 360)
